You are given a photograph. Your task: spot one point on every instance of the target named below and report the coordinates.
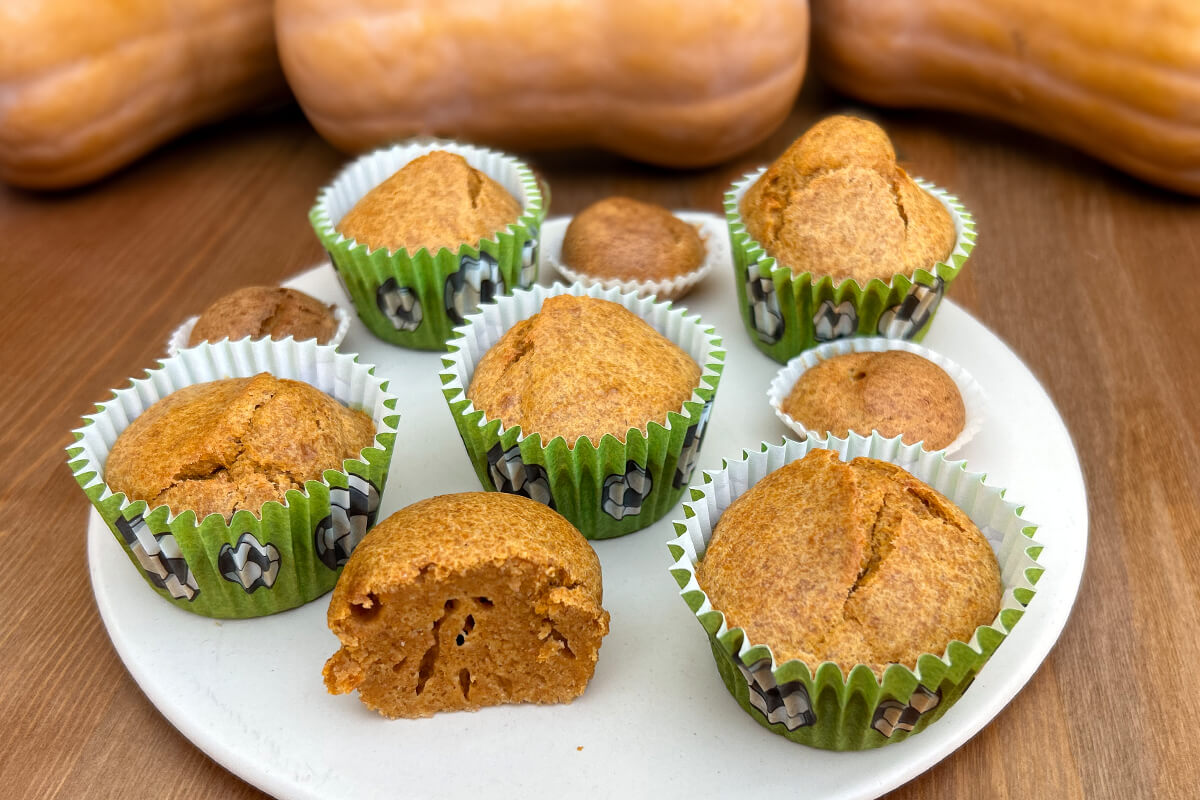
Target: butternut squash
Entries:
(86, 86)
(1119, 79)
(672, 83)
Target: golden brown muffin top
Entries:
(582, 367)
(233, 444)
(456, 533)
(434, 201)
(618, 237)
(837, 204)
(265, 311)
(857, 563)
(894, 392)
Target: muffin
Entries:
(434, 201)
(265, 312)
(582, 366)
(626, 239)
(463, 601)
(894, 392)
(837, 204)
(234, 444)
(857, 563)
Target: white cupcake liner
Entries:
(713, 233)
(181, 335)
(974, 399)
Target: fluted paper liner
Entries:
(785, 314)
(290, 552)
(414, 299)
(856, 711)
(974, 401)
(605, 489)
(181, 335)
(669, 289)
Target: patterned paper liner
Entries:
(181, 335)
(414, 299)
(974, 400)
(671, 289)
(607, 489)
(785, 314)
(859, 711)
(256, 564)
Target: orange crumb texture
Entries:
(467, 600)
(619, 237)
(265, 311)
(857, 563)
(233, 444)
(582, 367)
(837, 204)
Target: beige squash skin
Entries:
(86, 86)
(670, 83)
(1119, 79)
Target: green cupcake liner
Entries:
(289, 553)
(415, 299)
(605, 489)
(785, 314)
(858, 711)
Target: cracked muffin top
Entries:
(837, 204)
(582, 367)
(265, 311)
(894, 392)
(618, 237)
(857, 563)
(233, 444)
(434, 201)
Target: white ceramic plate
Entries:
(656, 719)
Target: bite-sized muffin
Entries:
(467, 600)
(894, 392)
(582, 367)
(837, 204)
(434, 201)
(618, 237)
(857, 563)
(265, 312)
(233, 444)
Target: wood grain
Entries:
(1089, 276)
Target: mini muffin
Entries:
(894, 392)
(463, 601)
(626, 239)
(582, 367)
(434, 201)
(265, 312)
(857, 563)
(836, 204)
(233, 444)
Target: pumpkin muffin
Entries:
(582, 367)
(234, 444)
(463, 601)
(893, 392)
(626, 239)
(434, 201)
(837, 204)
(265, 312)
(857, 563)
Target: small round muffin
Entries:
(265, 311)
(234, 444)
(893, 392)
(463, 601)
(836, 204)
(630, 240)
(857, 563)
(434, 201)
(582, 367)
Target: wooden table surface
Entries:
(1090, 276)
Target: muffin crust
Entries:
(618, 237)
(265, 311)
